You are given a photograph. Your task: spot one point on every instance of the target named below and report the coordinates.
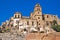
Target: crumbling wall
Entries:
(10, 36)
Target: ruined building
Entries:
(36, 22)
(18, 26)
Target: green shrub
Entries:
(56, 28)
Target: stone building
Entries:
(37, 20)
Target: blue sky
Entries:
(9, 7)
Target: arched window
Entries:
(47, 23)
(27, 22)
(32, 23)
(38, 17)
(37, 23)
(18, 16)
(47, 16)
(15, 16)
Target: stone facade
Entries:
(36, 20)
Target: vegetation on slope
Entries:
(55, 26)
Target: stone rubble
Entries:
(9, 36)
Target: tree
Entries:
(56, 28)
(54, 22)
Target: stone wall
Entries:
(10, 36)
(30, 36)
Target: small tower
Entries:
(17, 15)
(37, 12)
(38, 15)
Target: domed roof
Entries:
(37, 5)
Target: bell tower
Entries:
(37, 14)
(38, 9)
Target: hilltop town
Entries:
(36, 23)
